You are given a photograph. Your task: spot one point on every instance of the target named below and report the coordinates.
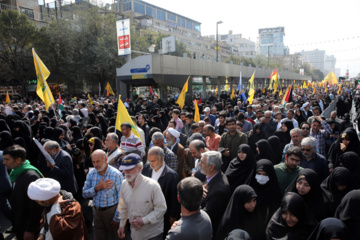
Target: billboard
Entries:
(271, 30)
(168, 45)
(123, 37)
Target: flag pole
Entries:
(46, 86)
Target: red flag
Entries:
(107, 92)
(150, 90)
(199, 101)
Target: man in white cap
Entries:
(207, 114)
(141, 201)
(63, 218)
(171, 142)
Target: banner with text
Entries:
(123, 36)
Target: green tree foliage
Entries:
(180, 47)
(17, 36)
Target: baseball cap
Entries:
(129, 161)
(207, 109)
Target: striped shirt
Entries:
(321, 136)
(106, 197)
(132, 144)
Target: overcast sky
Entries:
(309, 24)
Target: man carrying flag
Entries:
(42, 73)
(182, 95)
(130, 141)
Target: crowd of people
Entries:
(265, 170)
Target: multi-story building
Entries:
(239, 46)
(271, 42)
(153, 20)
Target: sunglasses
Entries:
(306, 149)
(304, 128)
(90, 144)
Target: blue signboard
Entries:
(140, 70)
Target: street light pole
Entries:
(217, 41)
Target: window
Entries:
(197, 27)
(160, 15)
(181, 22)
(189, 25)
(28, 12)
(171, 17)
(139, 8)
(126, 6)
(150, 11)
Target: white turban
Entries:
(174, 133)
(43, 189)
(305, 105)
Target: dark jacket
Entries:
(216, 200)
(168, 182)
(26, 213)
(63, 172)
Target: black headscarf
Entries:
(24, 131)
(255, 137)
(157, 123)
(278, 228)
(237, 217)
(239, 171)
(313, 198)
(349, 212)
(330, 228)
(45, 120)
(265, 151)
(92, 118)
(163, 118)
(332, 196)
(6, 140)
(77, 134)
(276, 148)
(285, 137)
(269, 195)
(48, 133)
(97, 132)
(335, 151)
(351, 161)
(4, 126)
(102, 124)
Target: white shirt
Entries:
(295, 123)
(142, 134)
(156, 175)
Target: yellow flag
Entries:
(330, 78)
(42, 73)
(216, 91)
(305, 85)
(123, 116)
(252, 89)
(339, 90)
(90, 100)
(197, 114)
(109, 89)
(232, 96)
(182, 95)
(7, 100)
(226, 87)
(313, 90)
(280, 93)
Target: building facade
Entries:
(271, 42)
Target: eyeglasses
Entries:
(306, 149)
(304, 128)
